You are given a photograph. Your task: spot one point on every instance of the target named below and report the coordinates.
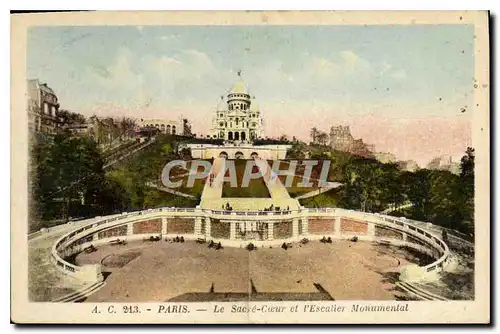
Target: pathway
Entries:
(276, 188)
(213, 192)
(319, 191)
(169, 190)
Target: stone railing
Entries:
(87, 234)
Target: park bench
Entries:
(90, 249)
(326, 240)
(118, 242)
(152, 238)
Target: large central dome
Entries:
(239, 88)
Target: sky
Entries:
(407, 89)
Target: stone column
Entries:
(371, 229)
(232, 231)
(130, 228)
(405, 237)
(208, 227)
(270, 231)
(164, 226)
(95, 236)
(337, 226)
(197, 225)
(305, 226)
(295, 227)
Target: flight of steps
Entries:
(80, 294)
(417, 292)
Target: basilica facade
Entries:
(237, 118)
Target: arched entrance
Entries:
(239, 155)
(223, 155)
(254, 155)
(236, 135)
(229, 135)
(243, 136)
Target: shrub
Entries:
(251, 247)
(304, 241)
(354, 239)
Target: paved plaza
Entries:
(161, 271)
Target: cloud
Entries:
(169, 38)
(399, 74)
(119, 74)
(183, 65)
(338, 66)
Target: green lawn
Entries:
(256, 188)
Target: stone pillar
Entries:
(295, 227)
(405, 236)
(337, 226)
(270, 231)
(208, 227)
(164, 226)
(371, 229)
(305, 226)
(232, 231)
(197, 225)
(130, 228)
(95, 236)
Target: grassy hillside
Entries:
(133, 173)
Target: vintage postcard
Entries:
(250, 167)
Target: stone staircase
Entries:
(417, 292)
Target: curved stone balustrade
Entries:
(280, 226)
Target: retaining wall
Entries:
(284, 226)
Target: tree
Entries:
(67, 170)
(313, 133)
(467, 166)
(69, 117)
(322, 138)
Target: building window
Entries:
(168, 129)
(173, 129)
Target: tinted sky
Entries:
(401, 88)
